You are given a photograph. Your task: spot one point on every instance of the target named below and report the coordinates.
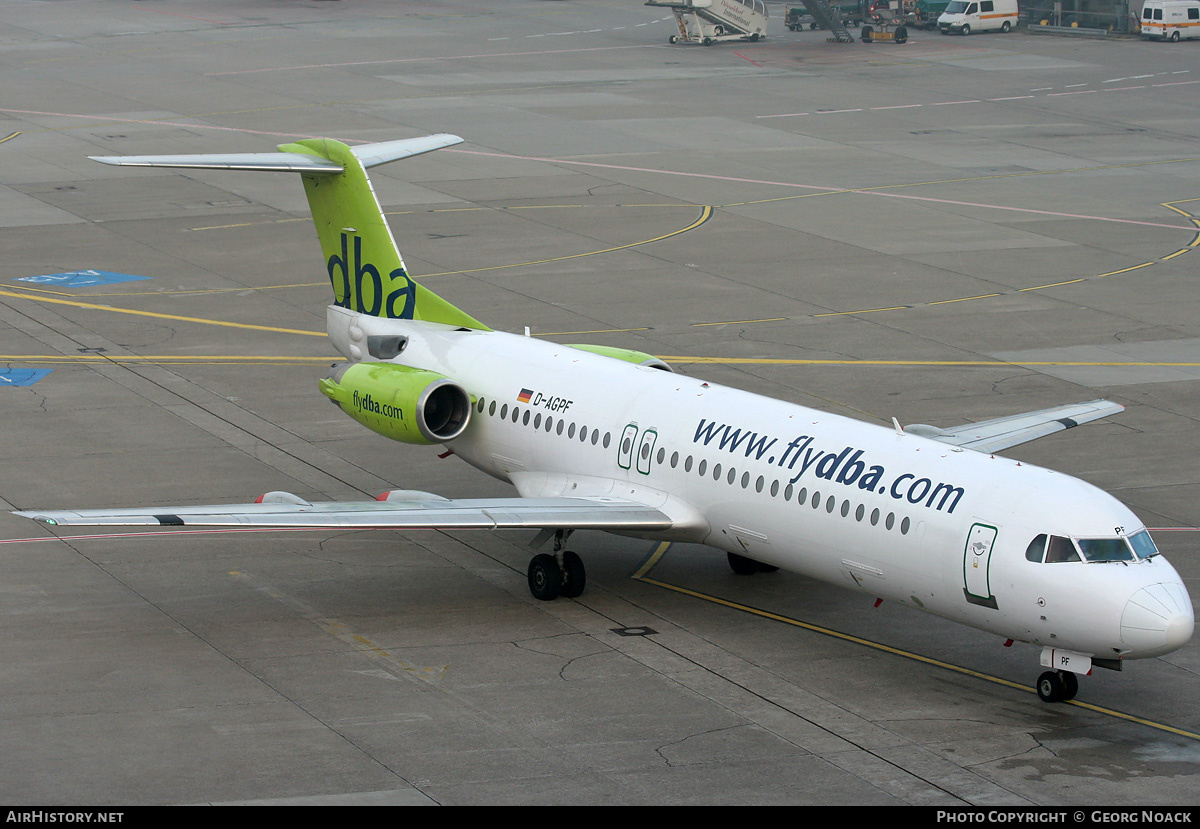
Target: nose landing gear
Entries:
(1057, 686)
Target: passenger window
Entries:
(986, 6)
(1158, 14)
(1194, 13)
(1060, 550)
(1147, 13)
(971, 9)
(1036, 550)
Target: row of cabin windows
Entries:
(525, 416)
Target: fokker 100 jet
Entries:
(596, 437)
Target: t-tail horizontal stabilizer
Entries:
(369, 155)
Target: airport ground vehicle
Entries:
(967, 16)
(710, 21)
(1172, 20)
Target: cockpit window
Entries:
(1060, 550)
(1105, 549)
(1143, 545)
(1036, 549)
(1054, 549)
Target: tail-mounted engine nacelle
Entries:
(402, 403)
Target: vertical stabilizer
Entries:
(364, 266)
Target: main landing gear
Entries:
(560, 574)
(1057, 686)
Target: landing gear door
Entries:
(977, 557)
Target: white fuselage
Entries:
(897, 516)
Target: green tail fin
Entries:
(364, 265)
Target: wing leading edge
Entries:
(1013, 430)
(412, 510)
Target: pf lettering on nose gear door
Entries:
(977, 556)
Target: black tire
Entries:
(754, 37)
(901, 34)
(1070, 685)
(812, 26)
(672, 39)
(545, 578)
(865, 34)
(1050, 687)
(966, 30)
(574, 576)
(1174, 37)
(718, 30)
(741, 565)
(1005, 27)
(706, 42)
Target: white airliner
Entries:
(603, 438)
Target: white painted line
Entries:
(1011, 98)
(899, 106)
(1175, 83)
(950, 103)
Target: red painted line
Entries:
(419, 60)
(743, 57)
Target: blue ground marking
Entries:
(81, 279)
(21, 376)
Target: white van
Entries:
(966, 16)
(1172, 20)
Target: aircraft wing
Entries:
(1013, 430)
(402, 509)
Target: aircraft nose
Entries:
(1157, 619)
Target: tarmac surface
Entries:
(949, 230)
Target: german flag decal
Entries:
(525, 395)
